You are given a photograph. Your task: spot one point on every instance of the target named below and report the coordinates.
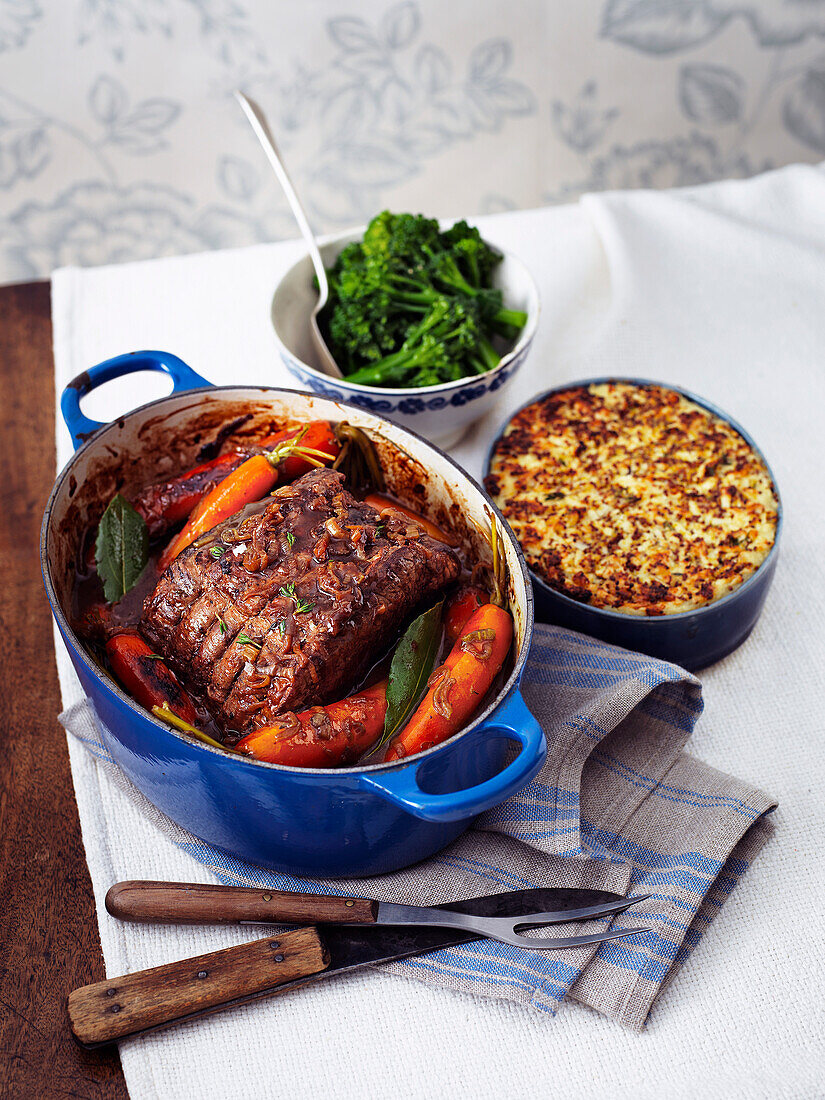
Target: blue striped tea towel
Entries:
(618, 806)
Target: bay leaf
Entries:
(412, 665)
(122, 548)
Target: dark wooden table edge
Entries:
(49, 940)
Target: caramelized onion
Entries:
(254, 707)
(289, 722)
(479, 643)
(259, 682)
(436, 676)
(441, 696)
(255, 560)
(335, 529)
(319, 550)
(320, 722)
(289, 726)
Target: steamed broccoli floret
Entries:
(397, 240)
(412, 306)
(474, 256)
(447, 343)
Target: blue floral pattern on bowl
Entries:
(433, 416)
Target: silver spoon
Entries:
(257, 120)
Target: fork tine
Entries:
(556, 944)
(588, 912)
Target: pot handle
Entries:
(80, 426)
(512, 720)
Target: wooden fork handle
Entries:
(191, 903)
(165, 995)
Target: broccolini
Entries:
(413, 306)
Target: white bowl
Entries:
(440, 413)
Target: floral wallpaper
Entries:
(119, 137)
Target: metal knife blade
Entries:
(351, 947)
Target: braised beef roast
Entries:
(289, 603)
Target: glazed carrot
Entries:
(322, 737)
(146, 677)
(381, 503)
(459, 684)
(167, 503)
(251, 481)
(460, 607)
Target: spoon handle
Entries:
(257, 120)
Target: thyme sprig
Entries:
(357, 460)
(289, 593)
(166, 714)
(498, 564)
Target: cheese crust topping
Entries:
(633, 498)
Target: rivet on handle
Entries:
(163, 995)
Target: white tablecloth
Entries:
(720, 289)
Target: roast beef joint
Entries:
(292, 601)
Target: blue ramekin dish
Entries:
(692, 639)
(357, 821)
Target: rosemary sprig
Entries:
(244, 639)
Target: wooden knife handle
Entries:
(152, 999)
(191, 903)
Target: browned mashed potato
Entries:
(633, 498)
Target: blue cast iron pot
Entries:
(305, 822)
(692, 639)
